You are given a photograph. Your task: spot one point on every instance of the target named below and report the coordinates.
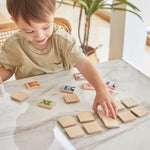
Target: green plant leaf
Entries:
(62, 2)
(93, 7)
(128, 3)
(123, 9)
(95, 4)
(75, 3)
(83, 3)
(89, 2)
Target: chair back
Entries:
(7, 27)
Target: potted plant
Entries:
(89, 7)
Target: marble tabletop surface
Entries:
(25, 126)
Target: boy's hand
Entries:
(102, 98)
(1, 80)
(107, 103)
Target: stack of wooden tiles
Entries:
(89, 123)
(73, 130)
(133, 109)
(126, 110)
(70, 126)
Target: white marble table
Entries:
(25, 126)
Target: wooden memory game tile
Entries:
(112, 85)
(126, 116)
(88, 86)
(46, 104)
(92, 127)
(32, 85)
(71, 98)
(109, 122)
(112, 92)
(19, 96)
(129, 102)
(68, 89)
(74, 132)
(85, 117)
(119, 105)
(79, 76)
(66, 121)
(140, 111)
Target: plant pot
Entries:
(91, 55)
(90, 51)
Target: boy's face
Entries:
(37, 33)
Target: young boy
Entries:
(41, 47)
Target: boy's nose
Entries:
(39, 34)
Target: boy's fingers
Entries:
(0, 80)
(114, 106)
(95, 105)
(111, 109)
(105, 109)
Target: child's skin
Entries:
(38, 34)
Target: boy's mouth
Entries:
(41, 41)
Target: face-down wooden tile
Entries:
(71, 98)
(92, 127)
(140, 111)
(129, 102)
(74, 132)
(126, 116)
(85, 117)
(109, 122)
(19, 96)
(66, 121)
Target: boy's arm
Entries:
(5, 74)
(103, 98)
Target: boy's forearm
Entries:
(102, 97)
(6, 74)
(91, 74)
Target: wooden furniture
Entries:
(24, 123)
(64, 23)
(148, 40)
(7, 27)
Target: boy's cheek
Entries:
(27, 37)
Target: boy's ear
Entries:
(13, 20)
(54, 12)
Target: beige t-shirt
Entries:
(61, 53)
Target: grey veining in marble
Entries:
(25, 126)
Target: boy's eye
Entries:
(29, 32)
(46, 28)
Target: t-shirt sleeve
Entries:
(8, 58)
(71, 51)
(75, 54)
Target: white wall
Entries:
(135, 34)
(117, 23)
(128, 35)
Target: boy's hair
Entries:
(31, 9)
